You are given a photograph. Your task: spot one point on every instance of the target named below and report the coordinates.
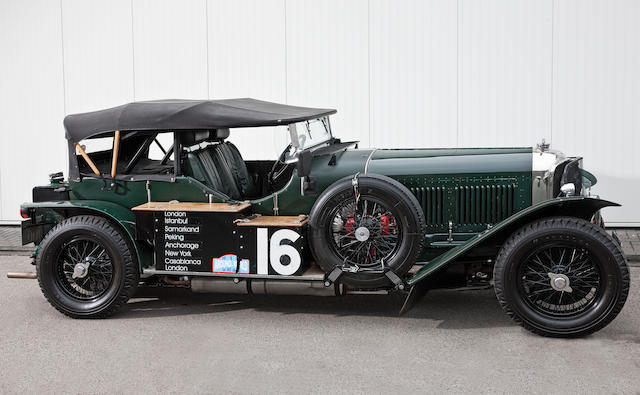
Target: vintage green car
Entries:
(325, 218)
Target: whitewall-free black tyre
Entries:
(561, 277)
(86, 268)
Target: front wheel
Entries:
(85, 267)
(561, 277)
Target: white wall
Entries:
(401, 73)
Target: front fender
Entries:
(579, 206)
(54, 212)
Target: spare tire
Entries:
(370, 226)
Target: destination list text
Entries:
(181, 241)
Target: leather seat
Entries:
(224, 169)
(243, 180)
(219, 165)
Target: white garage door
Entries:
(435, 73)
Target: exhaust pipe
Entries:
(287, 287)
(264, 287)
(29, 275)
(218, 285)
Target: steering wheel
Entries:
(278, 168)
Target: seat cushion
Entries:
(241, 176)
(221, 166)
(204, 169)
(224, 168)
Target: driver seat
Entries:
(220, 164)
(230, 155)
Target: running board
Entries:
(309, 275)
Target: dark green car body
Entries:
(325, 218)
(464, 194)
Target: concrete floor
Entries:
(454, 341)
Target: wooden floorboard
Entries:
(193, 206)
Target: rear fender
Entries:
(580, 207)
(55, 212)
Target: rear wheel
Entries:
(561, 277)
(86, 268)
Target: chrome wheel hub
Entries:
(362, 234)
(80, 270)
(560, 282)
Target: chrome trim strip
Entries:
(366, 165)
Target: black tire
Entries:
(111, 278)
(408, 227)
(596, 273)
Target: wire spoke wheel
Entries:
(366, 226)
(561, 277)
(84, 268)
(365, 233)
(560, 280)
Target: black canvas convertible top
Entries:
(175, 115)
